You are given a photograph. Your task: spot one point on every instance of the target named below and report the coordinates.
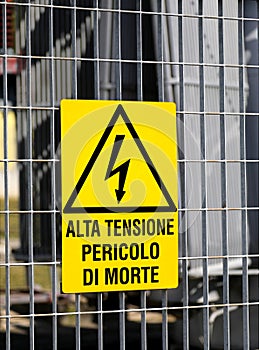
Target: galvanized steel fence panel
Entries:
(203, 55)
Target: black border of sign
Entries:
(69, 209)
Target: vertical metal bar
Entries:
(100, 320)
(160, 77)
(161, 97)
(97, 96)
(226, 325)
(74, 53)
(118, 94)
(203, 186)
(118, 69)
(245, 295)
(63, 21)
(164, 320)
(96, 51)
(6, 182)
(143, 305)
(53, 180)
(29, 172)
(139, 52)
(74, 95)
(122, 320)
(182, 167)
(58, 70)
(143, 294)
(257, 202)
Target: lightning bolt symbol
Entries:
(121, 169)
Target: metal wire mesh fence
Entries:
(203, 55)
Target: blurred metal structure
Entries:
(204, 56)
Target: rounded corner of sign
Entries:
(176, 285)
(62, 102)
(174, 108)
(170, 107)
(64, 289)
(173, 285)
(61, 290)
(65, 102)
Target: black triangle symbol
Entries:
(69, 209)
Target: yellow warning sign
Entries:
(119, 196)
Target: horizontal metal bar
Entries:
(151, 309)
(110, 10)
